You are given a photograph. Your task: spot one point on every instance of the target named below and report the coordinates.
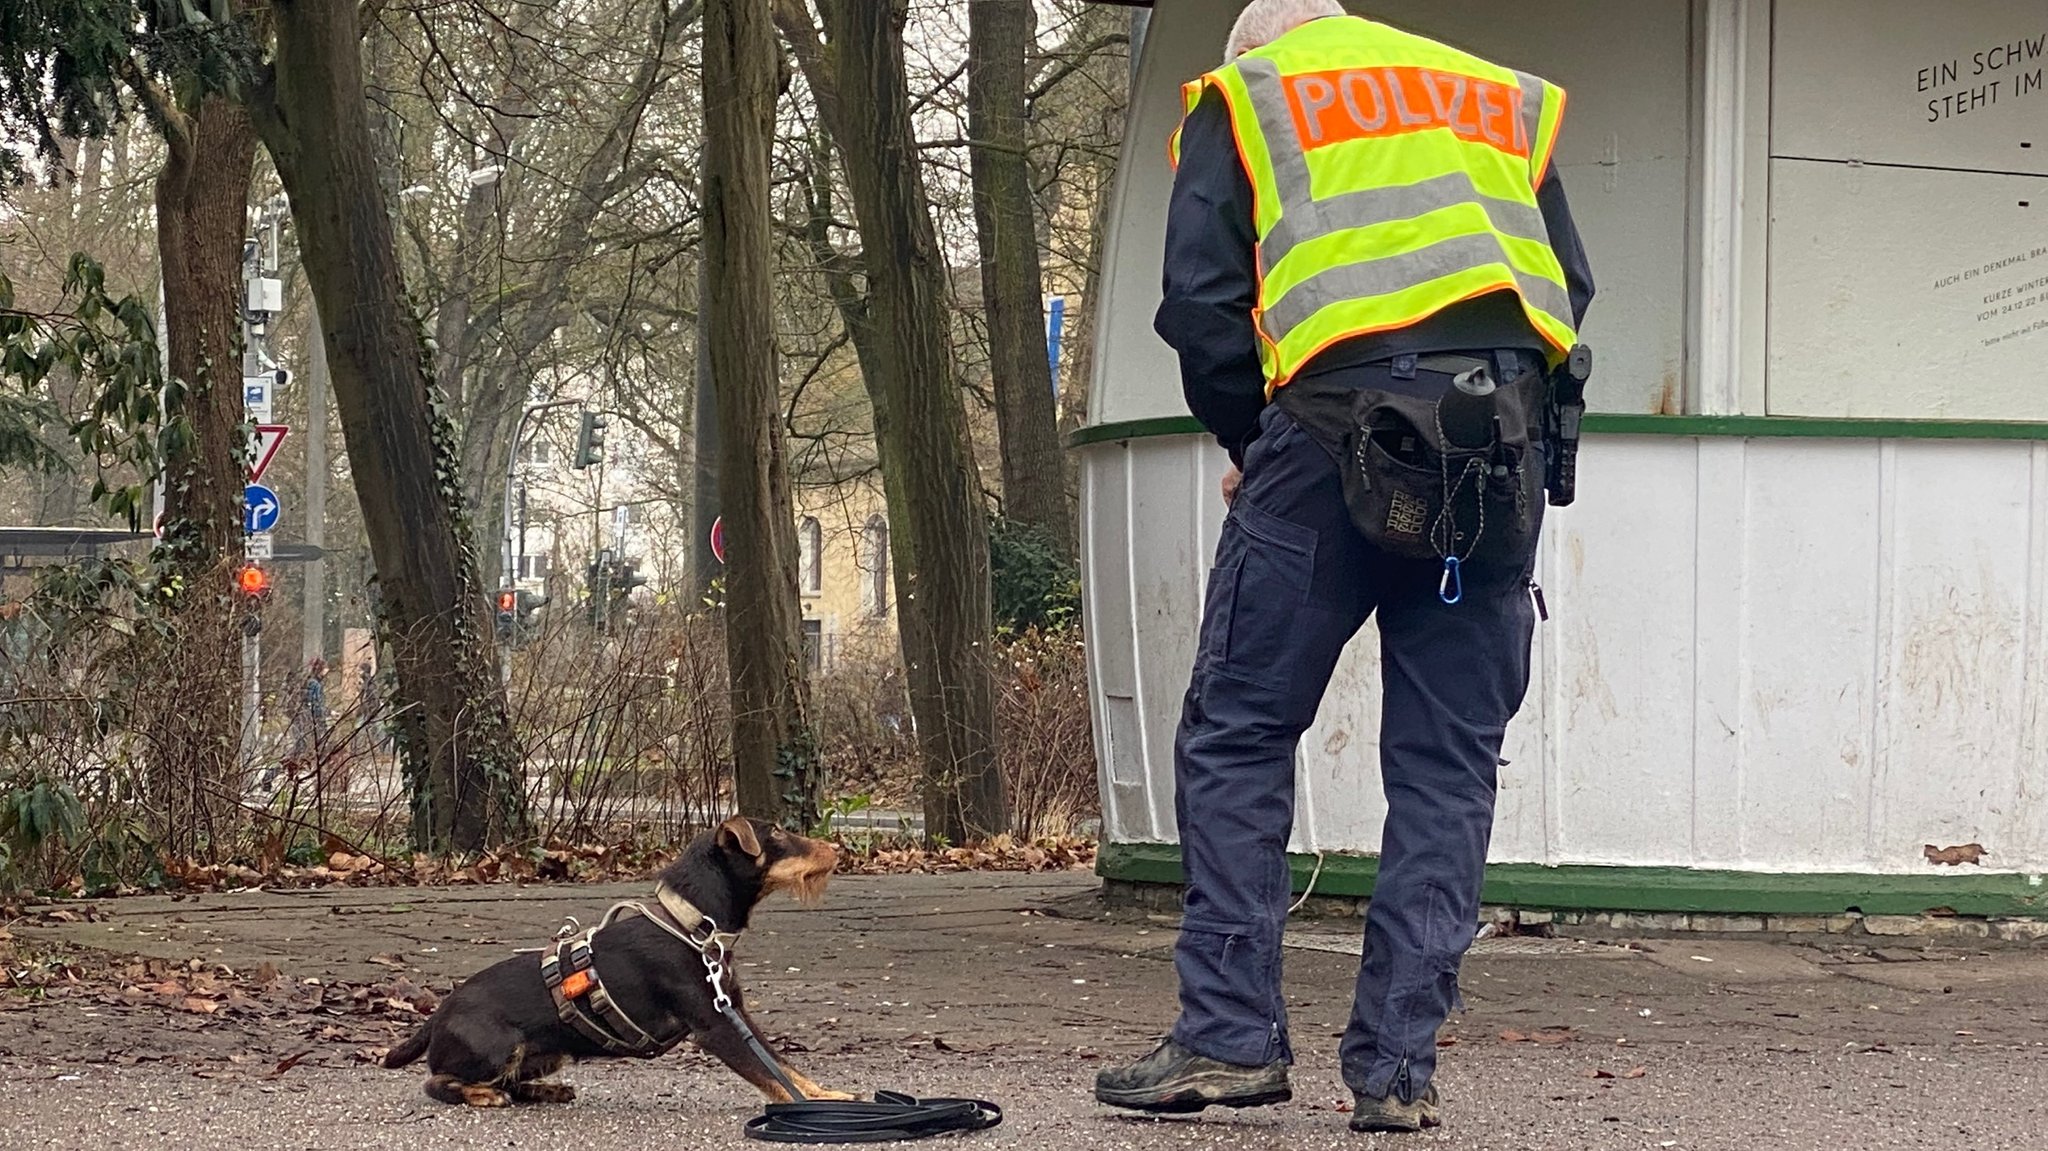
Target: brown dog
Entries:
(500, 1032)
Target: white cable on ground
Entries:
(1310, 889)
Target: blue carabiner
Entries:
(1451, 588)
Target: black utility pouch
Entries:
(1413, 493)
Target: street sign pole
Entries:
(262, 300)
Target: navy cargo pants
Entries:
(1293, 583)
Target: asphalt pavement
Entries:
(1017, 988)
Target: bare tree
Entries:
(313, 116)
(938, 523)
(775, 753)
(1000, 33)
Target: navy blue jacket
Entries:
(1211, 285)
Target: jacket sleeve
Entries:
(1564, 240)
(1211, 281)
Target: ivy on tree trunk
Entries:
(453, 731)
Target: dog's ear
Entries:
(737, 834)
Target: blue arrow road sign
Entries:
(260, 509)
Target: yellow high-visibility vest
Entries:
(1392, 176)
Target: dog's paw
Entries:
(833, 1096)
(477, 1095)
(544, 1093)
(449, 1089)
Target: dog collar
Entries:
(692, 921)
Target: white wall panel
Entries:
(1938, 83)
(1909, 209)
(1769, 654)
(1908, 294)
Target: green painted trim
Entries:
(1650, 889)
(1136, 430)
(1625, 424)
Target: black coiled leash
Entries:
(891, 1117)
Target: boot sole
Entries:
(1386, 1126)
(1188, 1099)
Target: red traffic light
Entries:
(251, 580)
(508, 600)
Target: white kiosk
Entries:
(1799, 613)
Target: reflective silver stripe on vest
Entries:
(1532, 112)
(1368, 278)
(1302, 217)
(1369, 206)
(1269, 105)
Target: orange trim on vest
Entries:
(1345, 104)
(576, 984)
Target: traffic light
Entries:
(590, 440)
(252, 582)
(252, 590)
(508, 614)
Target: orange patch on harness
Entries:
(577, 984)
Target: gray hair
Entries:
(1264, 21)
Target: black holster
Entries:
(1413, 493)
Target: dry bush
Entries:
(864, 730)
(626, 732)
(624, 737)
(1046, 750)
(1046, 744)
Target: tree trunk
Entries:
(939, 529)
(705, 568)
(775, 760)
(202, 208)
(999, 33)
(458, 747)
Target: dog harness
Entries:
(570, 971)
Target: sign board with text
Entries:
(1944, 85)
(258, 392)
(1908, 274)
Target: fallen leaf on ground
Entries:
(1597, 1073)
(1953, 856)
(1635, 1073)
(288, 1062)
(199, 1006)
(388, 960)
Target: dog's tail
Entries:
(412, 1048)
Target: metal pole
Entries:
(522, 528)
(313, 635)
(163, 352)
(252, 639)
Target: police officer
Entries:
(1354, 207)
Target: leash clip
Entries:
(714, 967)
(1451, 588)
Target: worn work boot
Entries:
(1390, 1114)
(1174, 1080)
